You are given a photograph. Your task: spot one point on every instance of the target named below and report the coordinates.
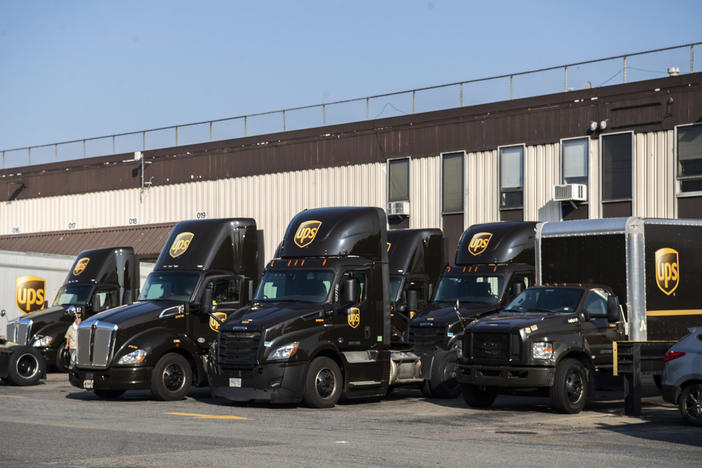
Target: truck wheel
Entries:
(570, 387)
(63, 358)
(108, 394)
(478, 397)
(449, 389)
(26, 366)
(690, 404)
(322, 383)
(171, 378)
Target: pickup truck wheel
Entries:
(690, 404)
(63, 358)
(478, 397)
(109, 394)
(570, 387)
(323, 383)
(25, 367)
(171, 378)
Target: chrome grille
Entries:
(96, 344)
(238, 350)
(18, 331)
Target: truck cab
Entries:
(550, 339)
(417, 258)
(99, 279)
(493, 263)
(206, 270)
(319, 325)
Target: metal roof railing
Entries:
(437, 97)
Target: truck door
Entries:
(225, 293)
(598, 331)
(356, 326)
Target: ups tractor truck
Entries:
(559, 338)
(207, 269)
(417, 258)
(100, 279)
(494, 262)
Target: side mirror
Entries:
(612, 309)
(352, 293)
(2, 313)
(517, 289)
(585, 314)
(401, 308)
(206, 301)
(412, 300)
(250, 290)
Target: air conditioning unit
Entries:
(570, 192)
(398, 208)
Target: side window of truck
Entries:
(225, 290)
(105, 299)
(596, 304)
(523, 278)
(360, 277)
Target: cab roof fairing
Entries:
(510, 242)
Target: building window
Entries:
(511, 180)
(689, 172)
(398, 179)
(452, 183)
(574, 155)
(617, 152)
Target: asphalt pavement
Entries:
(56, 424)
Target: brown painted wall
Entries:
(543, 119)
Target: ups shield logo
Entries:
(667, 270)
(353, 317)
(479, 243)
(214, 325)
(29, 293)
(306, 233)
(181, 244)
(80, 266)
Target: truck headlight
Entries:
(134, 357)
(284, 352)
(542, 350)
(41, 342)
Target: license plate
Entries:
(235, 382)
(88, 384)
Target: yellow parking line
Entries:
(11, 396)
(212, 416)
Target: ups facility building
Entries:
(621, 150)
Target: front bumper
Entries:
(505, 376)
(274, 382)
(113, 378)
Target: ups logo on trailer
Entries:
(479, 243)
(353, 317)
(29, 293)
(181, 244)
(667, 270)
(80, 266)
(306, 233)
(214, 325)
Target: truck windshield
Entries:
(484, 289)
(295, 286)
(395, 283)
(550, 300)
(170, 286)
(73, 294)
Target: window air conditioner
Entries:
(398, 208)
(570, 192)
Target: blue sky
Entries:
(76, 69)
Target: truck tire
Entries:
(63, 358)
(323, 383)
(449, 389)
(108, 394)
(570, 387)
(478, 397)
(171, 378)
(690, 404)
(26, 366)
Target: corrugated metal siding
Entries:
(273, 199)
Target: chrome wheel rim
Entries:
(27, 366)
(173, 377)
(325, 383)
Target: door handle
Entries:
(366, 332)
